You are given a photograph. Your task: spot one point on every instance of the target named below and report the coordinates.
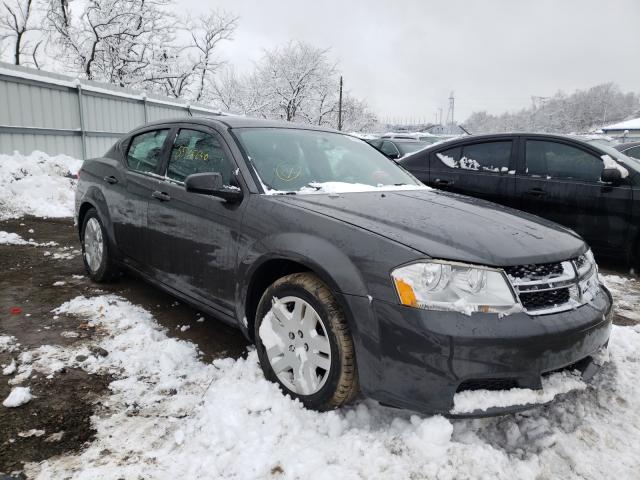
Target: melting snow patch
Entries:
(7, 343)
(9, 369)
(481, 400)
(18, 396)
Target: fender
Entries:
(322, 257)
(94, 197)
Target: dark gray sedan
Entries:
(347, 273)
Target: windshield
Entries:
(307, 161)
(618, 155)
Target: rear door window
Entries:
(558, 160)
(491, 157)
(195, 151)
(145, 151)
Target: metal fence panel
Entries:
(56, 114)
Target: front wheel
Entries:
(304, 344)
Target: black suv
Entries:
(589, 187)
(347, 273)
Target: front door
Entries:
(194, 237)
(484, 170)
(561, 181)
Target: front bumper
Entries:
(418, 359)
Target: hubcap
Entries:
(93, 245)
(297, 345)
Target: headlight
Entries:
(587, 276)
(452, 286)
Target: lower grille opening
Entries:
(580, 365)
(545, 299)
(488, 384)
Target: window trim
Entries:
(569, 143)
(163, 149)
(209, 131)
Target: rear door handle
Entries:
(110, 179)
(536, 192)
(163, 197)
(442, 183)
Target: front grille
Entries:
(545, 287)
(541, 270)
(535, 300)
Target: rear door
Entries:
(483, 169)
(144, 153)
(560, 180)
(194, 237)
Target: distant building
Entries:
(629, 129)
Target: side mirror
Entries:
(394, 156)
(611, 175)
(210, 183)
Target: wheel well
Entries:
(265, 275)
(84, 208)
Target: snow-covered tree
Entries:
(19, 31)
(579, 112)
(116, 41)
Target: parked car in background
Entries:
(591, 188)
(347, 273)
(420, 136)
(396, 148)
(631, 149)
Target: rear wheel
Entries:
(95, 248)
(304, 344)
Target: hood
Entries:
(449, 226)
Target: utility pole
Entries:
(450, 113)
(340, 106)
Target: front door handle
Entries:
(442, 183)
(163, 197)
(110, 179)
(536, 192)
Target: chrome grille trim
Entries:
(564, 276)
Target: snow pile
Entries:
(170, 415)
(18, 396)
(37, 184)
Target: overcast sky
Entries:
(405, 57)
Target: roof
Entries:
(633, 124)
(490, 136)
(237, 121)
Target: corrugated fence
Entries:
(60, 114)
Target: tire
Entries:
(95, 244)
(327, 343)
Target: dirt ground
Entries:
(28, 296)
(27, 277)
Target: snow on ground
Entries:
(37, 184)
(171, 415)
(626, 291)
(18, 396)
